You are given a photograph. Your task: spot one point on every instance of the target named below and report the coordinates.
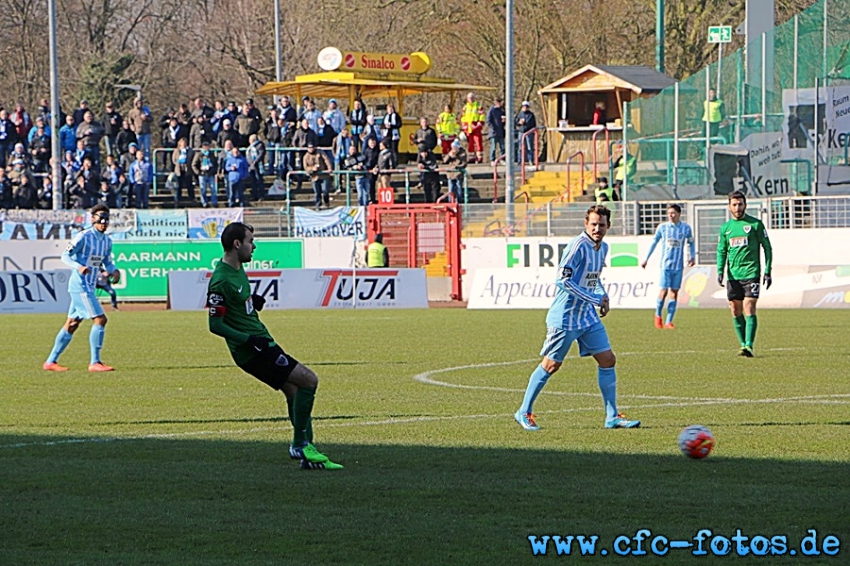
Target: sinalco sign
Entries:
(332, 59)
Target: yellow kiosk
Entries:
(351, 75)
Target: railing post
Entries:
(636, 220)
(288, 185)
(288, 224)
(549, 219)
(536, 148)
(153, 169)
(522, 157)
(465, 193)
(496, 177)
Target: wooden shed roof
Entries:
(598, 78)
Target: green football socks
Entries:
(291, 413)
(740, 324)
(752, 324)
(302, 407)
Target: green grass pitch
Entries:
(178, 458)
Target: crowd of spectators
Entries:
(113, 159)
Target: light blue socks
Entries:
(538, 379)
(96, 341)
(62, 341)
(671, 310)
(608, 386)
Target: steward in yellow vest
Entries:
(377, 254)
(714, 111)
(447, 128)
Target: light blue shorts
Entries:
(591, 341)
(671, 279)
(84, 305)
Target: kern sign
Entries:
(312, 288)
(828, 117)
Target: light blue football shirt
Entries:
(673, 238)
(92, 249)
(579, 287)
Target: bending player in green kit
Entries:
(233, 316)
(739, 243)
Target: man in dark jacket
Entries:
(256, 154)
(526, 122)
(370, 163)
(427, 165)
(200, 131)
(91, 132)
(112, 122)
(227, 134)
(496, 129)
(205, 167)
(274, 136)
(40, 150)
(425, 137)
(7, 196)
(125, 137)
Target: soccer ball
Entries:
(696, 442)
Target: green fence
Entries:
(671, 140)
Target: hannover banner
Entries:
(348, 221)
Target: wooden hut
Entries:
(569, 105)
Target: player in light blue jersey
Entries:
(673, 235)
(88, 252)
(573, 318)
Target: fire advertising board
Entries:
(312, 288)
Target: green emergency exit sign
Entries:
(719, 34)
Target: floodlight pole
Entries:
(659, 35)
(278, 55)
(825, 43)
(509, 112)
(278, 63)
(55, 147)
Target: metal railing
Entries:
(164, 154)
(567, 192)
(536, 133)
(337, 174)
(607, 157)
(637, 218)
(496, 177)
(631, 218)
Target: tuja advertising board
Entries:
(313, 288)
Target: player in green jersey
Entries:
(738, 246)
(233, 316)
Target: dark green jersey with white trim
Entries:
(229, 297)
(739, 246)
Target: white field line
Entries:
(830, 399)
(425, 377)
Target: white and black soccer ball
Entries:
(696, 442)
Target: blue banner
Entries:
(40, 224)
(208, 223)
(157, 225)
(343, 221)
